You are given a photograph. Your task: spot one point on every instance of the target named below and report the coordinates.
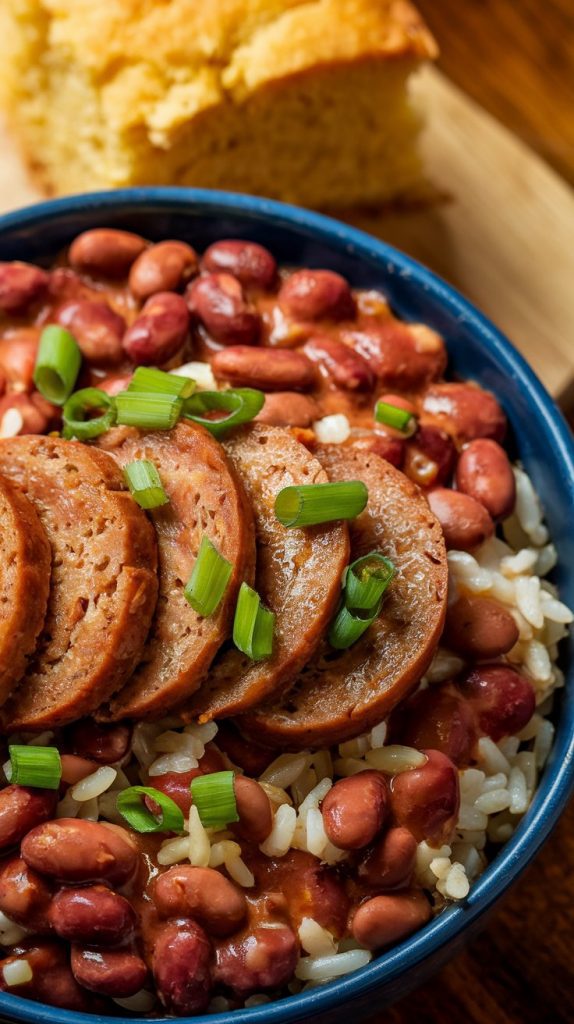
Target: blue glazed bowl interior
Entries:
(543, 442)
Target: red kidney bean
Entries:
(181, 966)
(105, 251)
(25, 896)
(92, 914)
(436, 718)
(426, 800)
(117, 973)
(340, 363)
(288, 409)
(271, 369)
(254, 810)
(164, 267)
(75, 768)
(382, 444)
(246, 754)
(430, 457)
(355, 809)
(385, 920)
(503, 699)
(262, 958)
(316, 295)
(391, 862)
(105, 744)
(52, 981)
(176, 784)
(159, 331)
(113, 384)
(21, 284)
(3, 382)
(33, 413)
(479, 628)
(21, 809)
(485, 473)
(464, 411)
(250, 263)
(465, 522)
(77, 850)
(310, 889)
(393, 353)
(97, 328)
(18, 351)
(218, 302)
(202, 894)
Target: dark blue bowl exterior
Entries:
(477, 351)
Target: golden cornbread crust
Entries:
(300, 99)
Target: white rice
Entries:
(93, 785)
(333, 429)
(201, 373)
(17, 973)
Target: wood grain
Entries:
(516, 58)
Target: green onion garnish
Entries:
(242, 404)
(57, 364)
(75, 414)
(145, 484)
(214, 797)
(253, 625)
(152, 381)
(394, 416)
(149, 411)
(34, 766)
(309, 504)
(366, 580)
(131, 807)
(346, 628)
(208, 581)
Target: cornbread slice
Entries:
(302, 100)
(103, 582)
(339, 694)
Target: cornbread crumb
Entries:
(301, 100)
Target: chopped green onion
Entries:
(153, 381)
(394, 416)
(214, 797)
(34, 766)
(242, 404)
(57, 364)
(131, 807)
(208, 581)
(75, 414)
(149, 411)
(145, 484)
(253, 625)
(366, 580)
(346, 628)
(309, 504)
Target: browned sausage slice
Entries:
(298, 574)
(103, 586)
(339, 694)
(25, 559)
(205, 497)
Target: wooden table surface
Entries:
(516, 58)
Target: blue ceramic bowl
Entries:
(478, 351)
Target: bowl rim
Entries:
(557, 782)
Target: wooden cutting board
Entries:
(503, 233)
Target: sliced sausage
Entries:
(289, 564)
(25, 562)
(104, 583)
(205, 497)
(339, 694)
